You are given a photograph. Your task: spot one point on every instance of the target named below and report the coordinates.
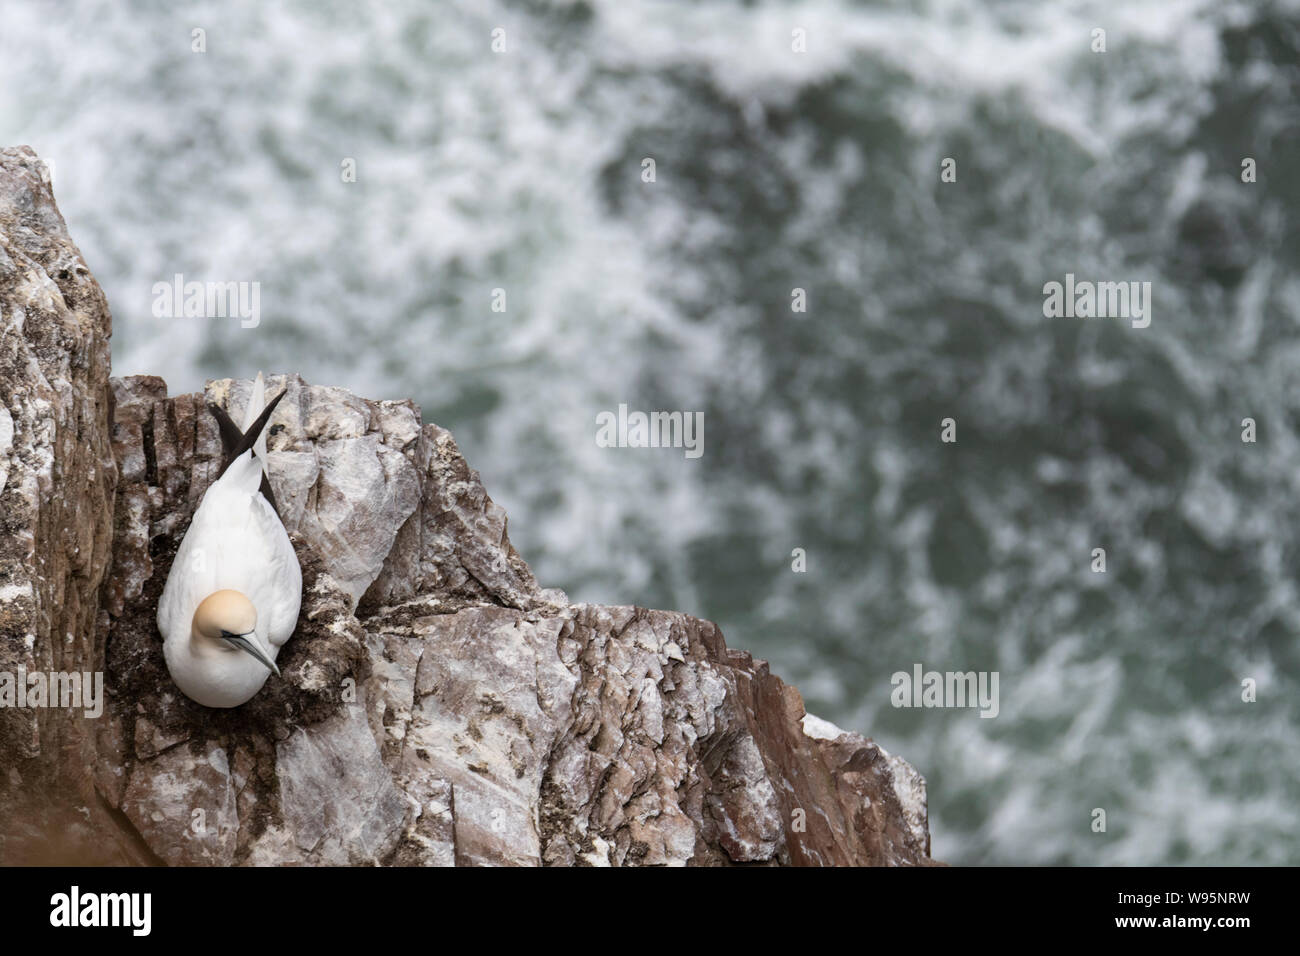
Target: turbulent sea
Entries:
(778, 170)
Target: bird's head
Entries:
(228, 620)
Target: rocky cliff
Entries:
(437, 706)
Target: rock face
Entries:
(57, 480)
(437, 706)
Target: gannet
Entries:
(233, 593)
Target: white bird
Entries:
(233, 593)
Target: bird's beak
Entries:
(242, 642)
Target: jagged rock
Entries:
(182, 802)
(437, 706)
(338, 802)
(57, 479)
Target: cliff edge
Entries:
(437, 706)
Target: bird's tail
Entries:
(257, 402)
(236, 441)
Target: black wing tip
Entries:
(235, 442)
(231, 436)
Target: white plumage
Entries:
(233, 593)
